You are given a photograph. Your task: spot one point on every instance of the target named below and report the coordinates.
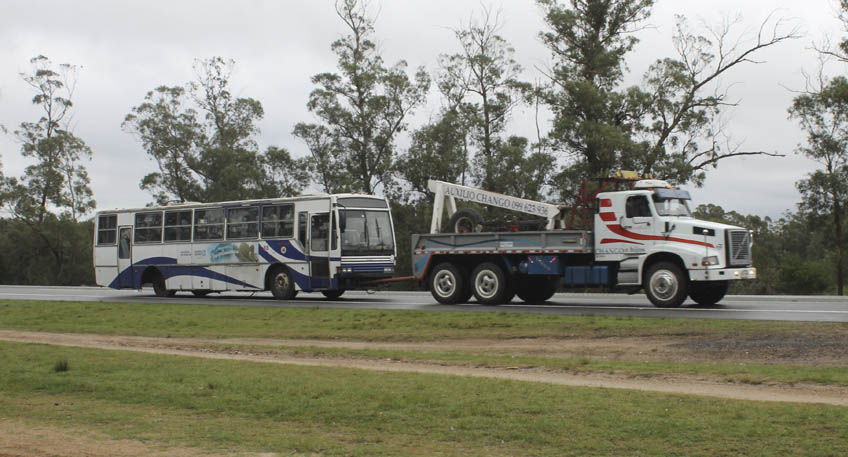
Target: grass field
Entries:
(151, 319)
(239, 406)
(243, 406)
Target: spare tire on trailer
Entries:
(465, 220)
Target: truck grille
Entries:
(738, 247)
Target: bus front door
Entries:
(125, 276)
(319, 251)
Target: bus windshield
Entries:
(367, 233)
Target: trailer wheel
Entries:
(332, 294)
(447, 284)
(666, 285)
(536, 290)
(281, 284)
(490, 284)
(708, 293)
(465, 220)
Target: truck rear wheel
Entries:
(447, 284)
(490, 284)
(708, 293)
(666, 285)
(536, 290)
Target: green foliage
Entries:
(58, 253)
(823, 114)
(803, 277)
(363, 108)
(203, 139)
(668, 127)
(57, 183)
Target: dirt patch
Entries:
(18, 439)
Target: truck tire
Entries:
(708, 293)
(448, 284)
(536, 290)
(490, 284)
(281, 284)
(465, 220)
(666, 285)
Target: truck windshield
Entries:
(672, 207)
(367, 233)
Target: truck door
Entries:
(319, 251)
(125, 257)
(638, 219)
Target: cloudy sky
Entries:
(126, 48)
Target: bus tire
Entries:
(708, 293)
(490, 284)
(200, 293)
(666, 285)
(281, 283)
(536, 290)
(447, 284)
(333, 294)
(159, 287)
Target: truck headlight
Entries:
(708, 261)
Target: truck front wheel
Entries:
(666, 285)
(708, 293)
(490, 284)
(447, 285)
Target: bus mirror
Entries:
(342, 220)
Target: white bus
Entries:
(321, 243)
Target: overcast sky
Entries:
(126, 48)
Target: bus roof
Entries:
(188, 205)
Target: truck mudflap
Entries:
(723, 274)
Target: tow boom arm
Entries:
(451, 192)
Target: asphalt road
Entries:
(778, 308)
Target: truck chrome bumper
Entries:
(723, 274)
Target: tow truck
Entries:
(623, 232)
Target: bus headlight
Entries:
(708, 261)
(388, 269)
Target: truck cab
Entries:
(649, 235)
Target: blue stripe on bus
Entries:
(168, 267)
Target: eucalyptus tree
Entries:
(823, 115)
(670, 127)
(204, 141)
(362, 109)
(57, 183)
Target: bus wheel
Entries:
(708, 293)
(159, 287)
(536, 290)
(447, 285)
(282, 284)
(333, 294)
(200, 293)
(665, 285)
(490, 284)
